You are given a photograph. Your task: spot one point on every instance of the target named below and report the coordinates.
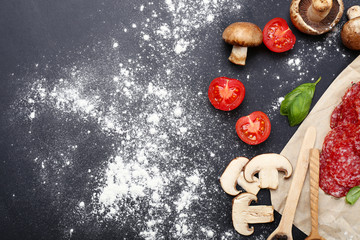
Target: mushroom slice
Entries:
(242, 35)
(243, 214)
(251, 187)
(350, 33)
(316, 17)
(229, 177)
(268, 165)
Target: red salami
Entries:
(348, 111)
(346, 170)
(340, 156)
(329, 185)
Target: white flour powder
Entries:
(144, 130)
(145, 178)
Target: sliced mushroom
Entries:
(350, 33)
(267, 165)
(250, 187)
(316, 17)
(242, 35)
(243, 214)
(234, 174)
(229, 177)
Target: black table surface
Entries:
(106, 127)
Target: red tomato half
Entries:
(277, 35)
(254, 128)
(226, 93)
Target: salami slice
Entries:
(346, 171)
(348, 111)
(341, 155)
(344, 114)
(329, 185)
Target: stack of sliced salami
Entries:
(340, 155)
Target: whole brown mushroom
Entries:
(350, 33)
(242, 35)
(316, 17)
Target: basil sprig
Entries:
(296, 104)
(353, 195)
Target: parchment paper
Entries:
(337, 220)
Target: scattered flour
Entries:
(295, 62)
(143, 167)
(148, 127)
(189, 17)
(181, 46)
(115, 45)
(145, 130)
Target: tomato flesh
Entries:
(226, 93)
(277, 36)
(254, 128)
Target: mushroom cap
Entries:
(267, 161)
(244, 199)
(229, 177)
(353, 12)
(350, 34)
(243, 34)
(299, 8)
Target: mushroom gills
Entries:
(238, 55)
(316, 17)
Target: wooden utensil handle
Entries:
(314, 186)
(298, 180)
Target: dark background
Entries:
(44, 39)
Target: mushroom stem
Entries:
(353, 12)
(258, 214)
(269, 178)
(238, 55)
(319, 9)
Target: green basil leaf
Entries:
(353, 195)
(288, 99)
(296, 104)
(299, 109)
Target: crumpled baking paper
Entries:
(337, 219)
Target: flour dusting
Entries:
(121, 139)
(140, 142)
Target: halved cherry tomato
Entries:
(226, 93)
(254, 128)
(277, 35)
